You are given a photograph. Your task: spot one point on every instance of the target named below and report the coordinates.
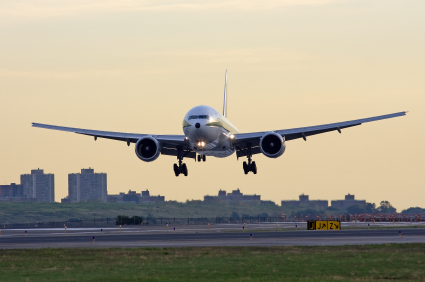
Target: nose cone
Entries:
(197, 125)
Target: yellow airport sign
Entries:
(334, 225)
(323, 225)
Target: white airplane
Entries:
(209, 133)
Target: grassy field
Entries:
(34, 212)
(347, 263)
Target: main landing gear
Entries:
(203, 158)
(181, 167)
(250, 166)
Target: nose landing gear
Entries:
(203, 158)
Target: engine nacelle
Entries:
(148, 149)
(272, 145)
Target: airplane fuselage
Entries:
(209, 133)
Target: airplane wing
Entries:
(244, 140)
(169, 142)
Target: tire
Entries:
(199, 158)
(184, 169)
(254, 168)
(176, 170)
(204, 158)
(245, 168)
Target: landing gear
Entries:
(184, 169)
(203, 158)
(250, 166)
(245, 168)
(181, 167)
(176, 170)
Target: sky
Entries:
(139, 66)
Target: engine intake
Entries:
(272, 145)
(148, 149)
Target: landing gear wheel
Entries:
(199, 158)
(250, 166)
(204, 158)
(245, 168)
(184, 169)
(181, 167)
(254, 168)
(176, 170)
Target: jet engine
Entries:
(148, 149)
(272, 145)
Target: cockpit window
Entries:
(199, 117)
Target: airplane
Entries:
(209, 133)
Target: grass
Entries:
(15, 212)
(403, 262)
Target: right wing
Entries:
(245, 140)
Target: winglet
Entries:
(225, 96)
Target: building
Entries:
(14, 193)
(87, 186)
(115, 198)
(65, 200)
(39, 185)
(234, 196)
(133, 197)
(147, 198)
(348, 202)
(304, 201)
(12, 190)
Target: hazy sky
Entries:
(139, 66)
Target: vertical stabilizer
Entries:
(225, 96)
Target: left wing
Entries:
(169, 143)
(245, 140)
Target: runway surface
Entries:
(268, 234)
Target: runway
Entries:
(269, 234)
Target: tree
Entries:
(386, 207)
(355, 210)
(122, 220)
(235, 215)
(244, 215)
(261, 215)
(370, 208)
(309, 213)
(413, 210)
(126, 220)
(136, 220)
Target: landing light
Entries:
(232, 136)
